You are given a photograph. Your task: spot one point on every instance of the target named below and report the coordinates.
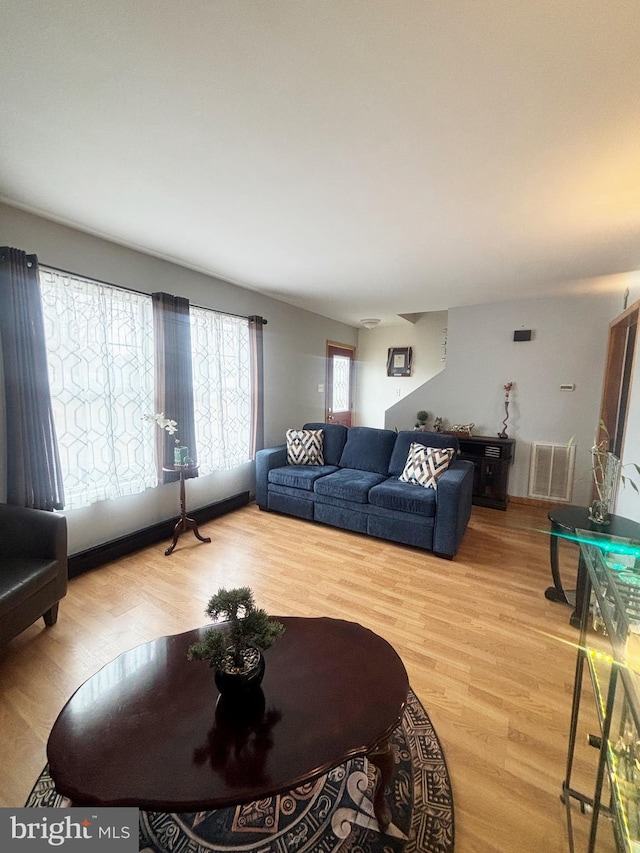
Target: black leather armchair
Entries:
(33, 567)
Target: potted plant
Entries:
(422, 418)
(234, 648)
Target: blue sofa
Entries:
(358, 488)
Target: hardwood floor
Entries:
(489, 657)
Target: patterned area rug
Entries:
(334, 814)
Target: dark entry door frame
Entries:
(340, 387)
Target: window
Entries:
(221, 364)
(100, 355)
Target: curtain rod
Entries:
(144, 293)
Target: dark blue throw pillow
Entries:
(368, 449)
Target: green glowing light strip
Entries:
(608, 546)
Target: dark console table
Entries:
(492, 458)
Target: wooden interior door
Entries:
(617, 377)
(340, 390)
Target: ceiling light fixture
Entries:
(370, 323)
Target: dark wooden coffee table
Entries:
(147, 730)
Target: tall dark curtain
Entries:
(173, 378)
(257, 384)
(34, 478)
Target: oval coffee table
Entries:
(147, 729)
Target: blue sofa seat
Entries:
(300, 476)
(349, 484)
(358, 487)
(393, 494)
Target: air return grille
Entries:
(551, 471)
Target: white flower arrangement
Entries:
(181, 456)
(164, 423)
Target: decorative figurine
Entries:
(507, 392)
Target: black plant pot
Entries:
(240, 683)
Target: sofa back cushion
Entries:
(334, 440)
(368, 449)
(404, 440)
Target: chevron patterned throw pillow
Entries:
(425, 465)
(305, 447)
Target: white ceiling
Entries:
(358, 158)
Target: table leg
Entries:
(184, 523)
(182, 526)
(557, 592)
(382, 759)
(581, 603)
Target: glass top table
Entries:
(609, 651)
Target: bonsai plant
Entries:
(422, 418)
(234, 649)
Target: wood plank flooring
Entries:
(489, 657)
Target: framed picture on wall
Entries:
(399, 361)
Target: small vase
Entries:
(181, 455)
(606, 468)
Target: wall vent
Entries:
(551, 471)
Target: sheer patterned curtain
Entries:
(34, 477)
(100, 357)
(222, 389)
(173, 378)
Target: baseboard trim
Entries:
(116, 548)
(515, 499)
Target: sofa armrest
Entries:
(266, 460)
(453, 507)
(26, 532)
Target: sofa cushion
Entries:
(348, 484)
(304, 447)
(368, 449)
(395, 495)
(335, 438)
(299, 476)
(405, 438)
(425, 465)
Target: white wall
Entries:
(375, 391)
(294, 361)
(569, 342)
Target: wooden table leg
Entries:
(184, 523)
(382, 759)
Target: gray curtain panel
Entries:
(256, 324)
(34, 478)
(173, 378)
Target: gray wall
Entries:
(376, 391)
(294, 361)
(568, 345)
